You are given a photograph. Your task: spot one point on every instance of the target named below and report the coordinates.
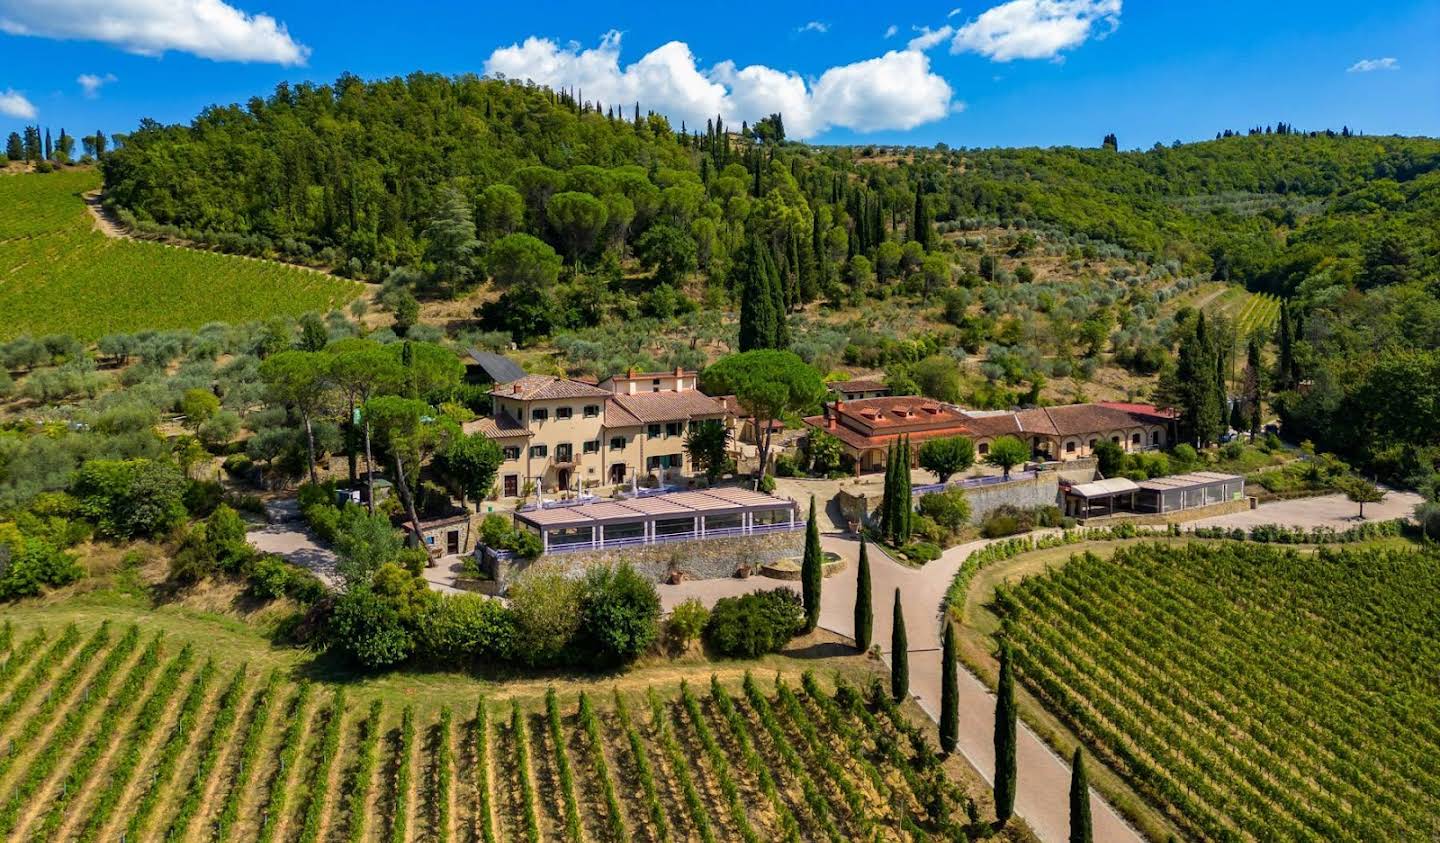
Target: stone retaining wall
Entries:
(701, 559)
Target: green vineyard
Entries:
(60, 275)
(1251, 692)
(112, 733)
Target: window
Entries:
(1070, 447)
(655, 385)
(1154, 437)
(665, 461)
(592, 410)
(1115, 440)
(984, 448)
(538, 451)
(617, 443)
(1135, 439)
(592, 447)
(563, 413)
(1093, 443)
(539, 414)
(511, 452)
(652, 432)
(674, 428)
(564, 453)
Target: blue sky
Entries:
(1022, 72)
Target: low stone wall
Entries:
(701, 559)
(1024, 493)
(1153, 518)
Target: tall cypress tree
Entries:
(1080, 826)
(1287, 349)
(864, 611)
(780, 332)
(904, 511)
(887, 492)
(1253, 385)
(949, 692)
(810, 571)
(899, 654)
(1005, 739)
(757, 304)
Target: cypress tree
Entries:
(949, 692)
(904, 511)
(810, 571)
(888, 511)
(864, 611)
(1287, 350)
(1005, 739)
(780, 337)
(757, 304)
(899, 655)
(1080, 826)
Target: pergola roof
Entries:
(1187, 481)
(708, 502)
(1104, 488)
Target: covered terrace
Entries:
(1100, 497)
(682, 516)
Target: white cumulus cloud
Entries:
(1368, 65)
(1036, 29)
(897, 90)
(930, 37)
(14, 104)
(210, 29)
(91, 83)
(819, 26)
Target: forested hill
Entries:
(359, 166)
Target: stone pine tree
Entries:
(899, 654)
(1005, 739)
(949, 692)
(1080, 825)
(810, 571)
(864, 610)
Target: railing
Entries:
(973, 482)
(669, 538)
(580, 501)
(664, 489)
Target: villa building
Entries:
(562, 434)
(867, 427)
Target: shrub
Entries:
(131, 498)
(463, 627)
(30, 565)
(370, 628)
(999, 524)
(202, 496)
(767, 484)
(269, 578)
(921, 552)
(950, 509)
(686, 622)
(751, 625)
(545, 603)
(620, 612)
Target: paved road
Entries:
(1043, 780)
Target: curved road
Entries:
(1043, 781)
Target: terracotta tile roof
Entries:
(861, 385)
(539, 387)
(1066, 420)
(501, 426)
(897, 414)
(651, 407)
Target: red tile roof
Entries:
(650, 407)
(541, 387)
